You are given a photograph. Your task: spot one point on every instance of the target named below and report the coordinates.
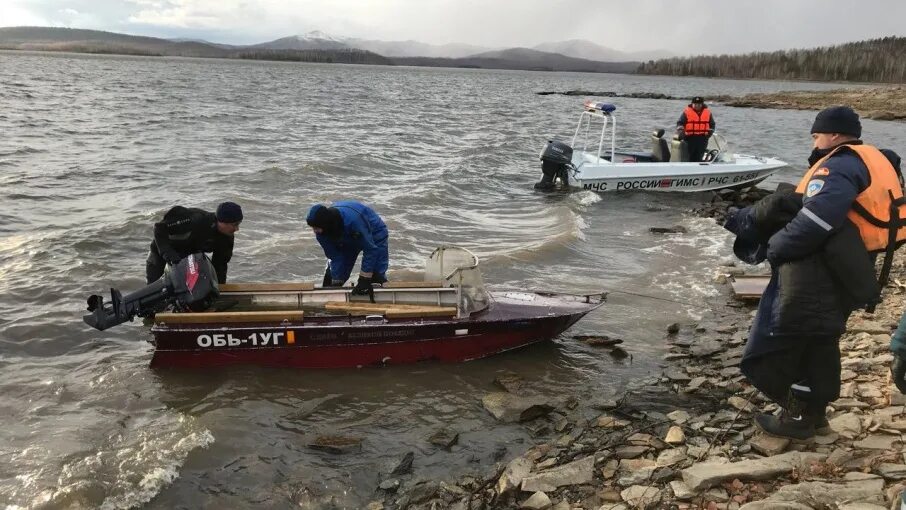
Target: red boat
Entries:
(449, 317)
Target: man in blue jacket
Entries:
(792, 354)
(345, 230)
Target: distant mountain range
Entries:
(575, 48)
(575, 55)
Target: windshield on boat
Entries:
(719, 143)
(458, 267)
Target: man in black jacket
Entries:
(186, 230)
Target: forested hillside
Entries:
(876, 60)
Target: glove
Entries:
(327, 278)
(898, 371)
(362, 287)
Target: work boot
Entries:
(799, 427)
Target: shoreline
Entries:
(694, 445)
(878, 103)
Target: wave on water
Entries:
(21, 151)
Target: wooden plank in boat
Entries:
(749, 287)
(440, 311)
(413, 285)
(343, 305)
(392, 311)
(229, 317)
(266, 287)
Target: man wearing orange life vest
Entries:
(792, 354)
(696, 124)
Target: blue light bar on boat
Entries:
(600, 106)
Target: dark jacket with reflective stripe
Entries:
(185, 230)
(803, 297)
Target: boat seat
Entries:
(680, 152)
(659, 150)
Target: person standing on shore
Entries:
(696, 125)
(792, 354)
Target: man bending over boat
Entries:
(696, 124)
(185, 230)
(344, 230)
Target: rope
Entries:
(638, 294)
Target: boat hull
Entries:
(689, 177)
(510, 323)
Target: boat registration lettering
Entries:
(745, 177)
(228, 340)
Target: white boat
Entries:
(661, 169)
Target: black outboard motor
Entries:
(189, 286)
(556, 159)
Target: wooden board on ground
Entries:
(266, 287)
(749, 287)
(391, 311)
(229, 317)
(413, 285)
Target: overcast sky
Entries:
(681, 26)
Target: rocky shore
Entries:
(694, 445)
(880, 103)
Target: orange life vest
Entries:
(697, 123)
(871, 211)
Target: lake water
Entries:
(95, 149)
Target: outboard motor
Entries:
(189, 286)
(556, 159)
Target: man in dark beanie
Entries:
(793, 354)
(186, 230)
(696, 125)
(345, 230)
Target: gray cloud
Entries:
(682, 26)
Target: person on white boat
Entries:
(696, 124)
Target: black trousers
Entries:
(813, 364)
(697, 144)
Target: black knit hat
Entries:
(229, 212)
(327, 219)
(838, 119)
(698, 100)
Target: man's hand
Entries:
(362, 287)
(898, 371)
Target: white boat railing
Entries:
(586, 117)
